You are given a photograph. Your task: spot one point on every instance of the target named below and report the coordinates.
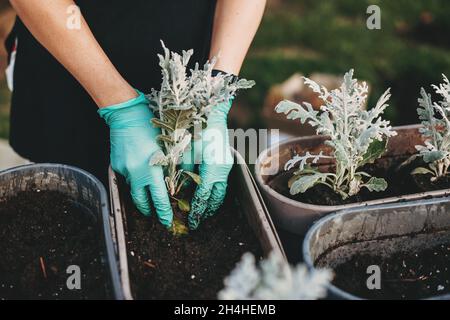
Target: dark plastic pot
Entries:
(81, 187)
(251, 204)
(297, 217)
(382, 230)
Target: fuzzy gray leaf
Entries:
(274, 279)
(422, 170)
(376, 150)
(306, 182)
(158, 159)
(296, 111)
(433, 156)
(376, 184)
(195, 177)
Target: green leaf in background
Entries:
(183, 205)
(408, 161)
(422, 170)
(197, 179)
(433, 156)
(376, 184)
(375, 151)
(303, 183)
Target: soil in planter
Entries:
(425, 182)
(415, 275)
(41, 234)
(163, 266)
(400, 183)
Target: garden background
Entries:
(411, 50)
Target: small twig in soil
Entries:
(149, 264)
(44, 271)
(422, 278)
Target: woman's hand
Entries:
(133, 142)
(211, 150)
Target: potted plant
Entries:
(181, 107)
(159, 264)
(432, 161)
(391, 251)
(356, 159)
(55, 224)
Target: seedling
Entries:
(436, 132)
(182, 104)
(357, 137)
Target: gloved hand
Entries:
(133, 141)
(212, 151)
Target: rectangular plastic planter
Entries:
(382, 230)
(81, 187)
(297, 217)
(251, 204)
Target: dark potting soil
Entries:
(42, 233)
(414, 275)
(193, 266)
(424, 182)
(400, 183)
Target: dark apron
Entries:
(52, 117)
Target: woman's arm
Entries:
(7, 16)
(235, 25)
(76, 49)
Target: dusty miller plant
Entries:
(274, 279)
(356, 135)
(183, 102)
(435, 131)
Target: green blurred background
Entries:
(411, 50)
(4, 110)
(6, 17)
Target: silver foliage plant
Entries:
(274, 279)
(435, 131)
(356, 135)
(183, 102)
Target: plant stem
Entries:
(172, 177)
(440, 169)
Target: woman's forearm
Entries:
(235, 25)
(75, 48)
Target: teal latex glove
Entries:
(133, 141)
(212, 152)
